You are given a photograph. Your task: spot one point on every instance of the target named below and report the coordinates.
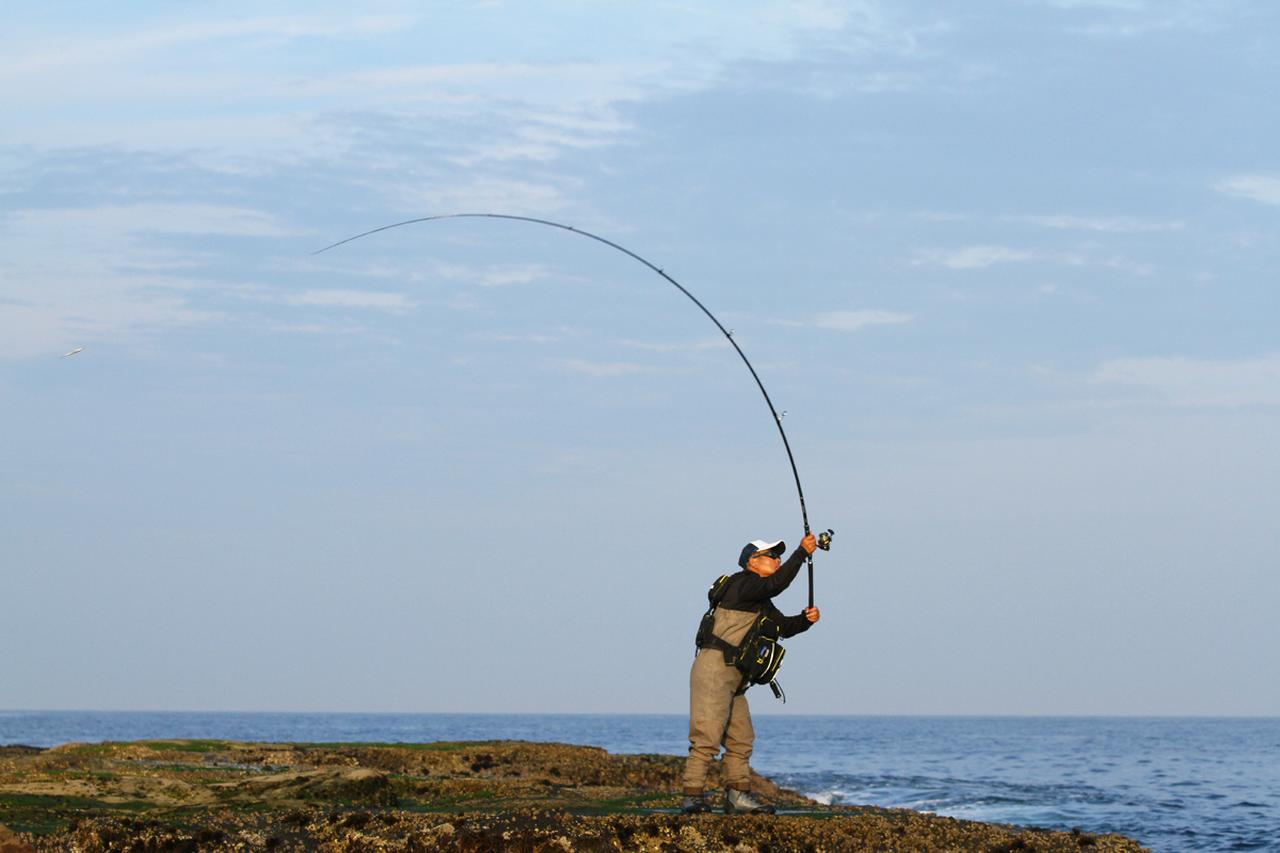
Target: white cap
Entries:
(755, 546)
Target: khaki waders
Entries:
(718, 711)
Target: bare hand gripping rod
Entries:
(825, 539)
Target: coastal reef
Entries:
(212, 795)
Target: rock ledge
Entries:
(197, 795)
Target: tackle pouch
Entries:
(760, 654)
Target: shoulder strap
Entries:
(716, 593)
(720, 588)
(706, 635)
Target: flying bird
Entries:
(75, 351)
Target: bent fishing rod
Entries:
(824, 539)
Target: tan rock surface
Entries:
(507, 795)
(10, 843)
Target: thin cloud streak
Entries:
(493, 276)
(599, 369)
(156, 218)
(485, 193)
(348, 299)
(1135, 18)
(701, 345)
(1102, 224)
(520, 339)
(973, 257)
(1260, 188)
(983, 256)
(99, 274)
(852, 321)
(110, 50)
(1180, 381)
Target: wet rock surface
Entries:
(10, 843)
(479, 796)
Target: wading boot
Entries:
(695, 804)
(742, 802)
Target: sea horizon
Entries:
(754, 714)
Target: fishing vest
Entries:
(758, 655)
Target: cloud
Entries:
(54, 325)
(1112, 5)
(700, 345)
(107, 52)
(1190, 382)
(979, 257)
(814, 14)
(1114, 262)
(600, 369)
(941, 216)
(973, 257)
(1104, 224)
(522, 274)
(532, 338)
(486, 193)
(543, 136)
(348, 299)
(92, 274)
(244, 83)
(494, 275)
(1260, 188)
(852, 321)
(318, 328)
(156, 218)
(1128, 18)
(472, 83)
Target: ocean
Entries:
(1173, 784)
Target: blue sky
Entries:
(1008, 268)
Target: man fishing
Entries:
(717, 702)
(718, 712)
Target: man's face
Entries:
(763, 564)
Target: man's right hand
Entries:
(809, 543)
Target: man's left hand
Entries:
(812, 614)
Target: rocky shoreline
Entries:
(197, 795)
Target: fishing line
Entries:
(824, 540)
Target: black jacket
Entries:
(748, 591)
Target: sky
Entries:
(1007, 266)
